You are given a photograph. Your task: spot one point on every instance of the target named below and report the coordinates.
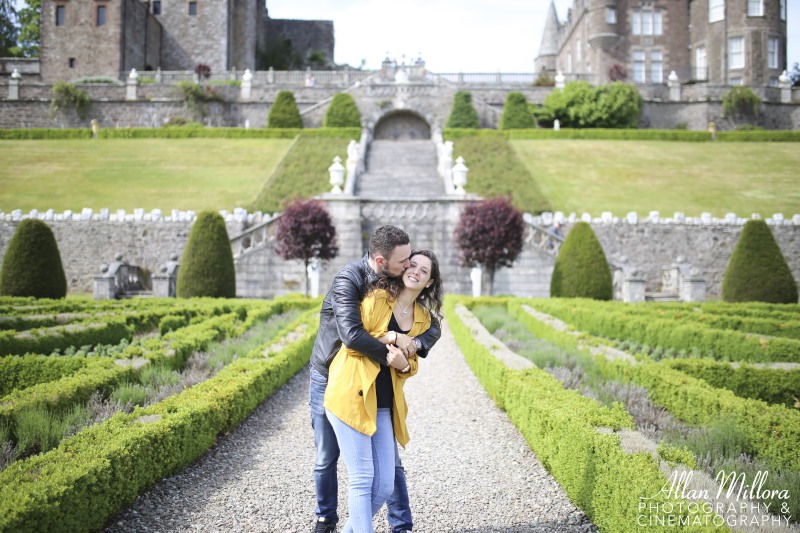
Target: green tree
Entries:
(342, 113)
(284, 112)
(741, 104)
(463, 114)
(515, 113)
(757, 270)
(207, 264)
(29, 39)
(32, 264)
(581, 269)
(579, 105)
(8, 30)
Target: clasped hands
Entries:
(396, 358)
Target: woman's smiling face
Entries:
(418, 275)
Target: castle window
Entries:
(193, 8)
(71, 62)
(755, 8)
(101, 15)
(578, 52)
(700, 63)
(60, 15)
(716, 10)
(657, 66)
(736, 52)
(658, 25)
(156, 7)
(638, 67)
(783, 9)
(611, 15)
(647, 23)
(636, 20)
(736, 81)
(569, 61)
(772, 52)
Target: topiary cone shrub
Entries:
(581, 269)
(463, 114)
(342, 113)
(207, 263)
(284, 112)
(515, 113)
(757, 271)
(32, 264)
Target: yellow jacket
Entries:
(350, 393)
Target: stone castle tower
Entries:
(89, 38)
(722, 42)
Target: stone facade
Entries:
(642, 42)
(170, 34)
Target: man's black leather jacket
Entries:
(340, 320)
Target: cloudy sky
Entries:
(452, 36)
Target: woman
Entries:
(364, 401)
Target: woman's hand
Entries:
(406, 343)
(395, 357)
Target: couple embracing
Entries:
(380, 315)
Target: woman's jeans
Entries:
(328, 455)
(370, 469)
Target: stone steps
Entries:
(401, 169)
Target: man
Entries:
(340, 322)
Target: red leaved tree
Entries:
(489, 234)
(306, 231)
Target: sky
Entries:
(452, 36)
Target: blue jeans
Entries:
(325, 480)
(370, 469)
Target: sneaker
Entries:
(324, 525)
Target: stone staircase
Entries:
(401, 169)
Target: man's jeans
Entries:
(325, 479)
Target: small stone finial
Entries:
(118, 257)
(560, 80)
(459, 173)
(673, 77)
(782, 79)
(247, 76)
(336, 171)
(133, 75)
(16, 75)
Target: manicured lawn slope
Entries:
(167, 174)
(643, 176)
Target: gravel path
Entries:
(468, 468)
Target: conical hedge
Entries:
(581, 269)
(207, 264)
(284, 112)
(757, 271)
(515, 113)
(463, 114)
(342, 113)
(32, 264)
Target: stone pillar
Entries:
(104, 288)
(159, 77)
(247, 85)
(312, 271)
(674, 84)
(161, 286)
(785, 85)
(352, 163)
(133, 82)
(633, 290)
(476, 276)
(271, 75)
(693, 287)
(13, 85)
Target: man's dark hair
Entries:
(385, 239)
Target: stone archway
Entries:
(402, 125)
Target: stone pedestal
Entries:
(131, 86)
(674, 84)
(633, 290)
(693, 290)
(104, 288)
(785, 85)
(476, 277)
(13, 88)
(247, 85)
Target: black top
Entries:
(383, 384)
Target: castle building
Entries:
(109, 37)
(721, 42)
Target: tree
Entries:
(463, 114)
(342, 113)
(207, 264)
(741, 104)
(489, 233)
(32, 263)
(29, 39)
(284, 112)
(757, 270)
(306, 232)
(8, 30)
(581, 269)
(579, 105)
(516, 114)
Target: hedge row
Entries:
(723, 344)
(47, 340)
(771, 385)
(176, 133)
(20, 372)
(561, 426)
(773, 431)
(92, 476)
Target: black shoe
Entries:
(324, 525)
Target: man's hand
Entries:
(396, 358)
(406, 343)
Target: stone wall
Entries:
(645, 246)
(306, 36)
(192, 39)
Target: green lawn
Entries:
(167, 174)
(643, 176)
